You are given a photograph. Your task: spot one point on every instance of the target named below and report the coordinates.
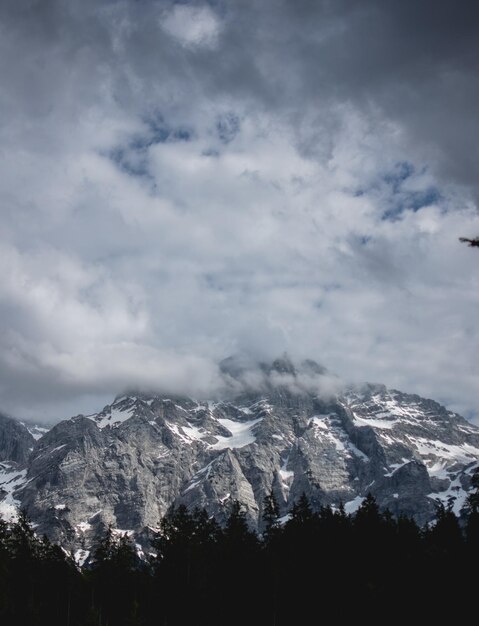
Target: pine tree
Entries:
(369, 509)
(472, 524)
(177, 529)
(473, 497)
(105, 548)
(270, 514)
(237, 536)
(114, 576)
(446, 534)
(302, 513)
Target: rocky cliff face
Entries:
(142, 454)
(16, 442)
(16, 445)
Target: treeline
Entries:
(316, 568)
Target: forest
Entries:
(315, 568)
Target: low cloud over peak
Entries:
(182, 181)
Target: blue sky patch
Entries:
(132, 158)
(401, 197)
(227, 127)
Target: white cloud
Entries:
(153, 224)
(192, 26)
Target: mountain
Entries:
(16, 442)
(280, 427)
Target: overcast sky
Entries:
(181, 181)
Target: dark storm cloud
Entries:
(413, 62)
(181, 181)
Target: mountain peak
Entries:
(239, 367)
(129, 463)
(281, 365)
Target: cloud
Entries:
(181, 182)
(192, 26)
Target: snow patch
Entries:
(285, 518)
(393, 468)
(374, 423)
(245, 410)
(454, 491)
(201, 475)
(353, 505)
(434, 449)
(115, 417)
(119, 532)
(193, 432)
(10, 480)
(81, 556)
(241, 434)
(35, 431)
(188, 434)
(324, 429)
(320, 421)
(286, 475)
(224, 498)
(357, 452)
(57, 448)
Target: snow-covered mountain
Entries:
(278, 428)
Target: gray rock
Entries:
(144, 453)
(16, 442)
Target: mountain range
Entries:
(276, 427)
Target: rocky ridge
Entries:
(129, 463)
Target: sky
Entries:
(183, 181)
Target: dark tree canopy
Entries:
(316, 567)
